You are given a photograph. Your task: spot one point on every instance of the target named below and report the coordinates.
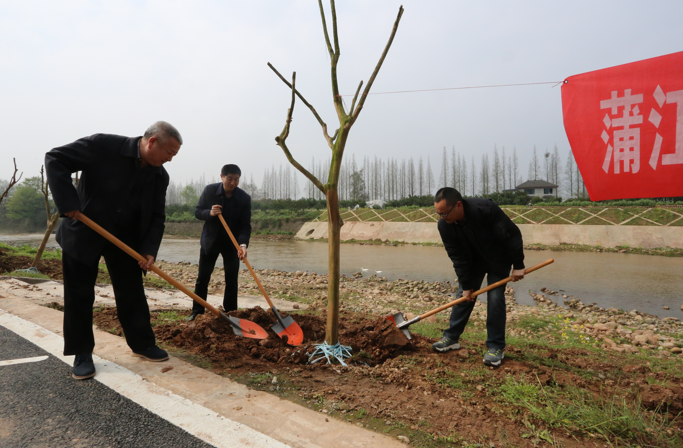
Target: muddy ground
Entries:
(402, 387)
(10, 263)
(574, 375)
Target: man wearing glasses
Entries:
(222, 198)
(481, 241)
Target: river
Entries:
(626, 281)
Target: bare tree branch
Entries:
(355, 97)
(338, 103)
(334, 29)
(280, 140)
(327, 36)
(330, 140)
(379, 65)
(12, 182)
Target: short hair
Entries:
(162, 131)
(451, 195)
(230, 169)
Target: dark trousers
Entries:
(79, 296)
(496, 313)
(231, 266)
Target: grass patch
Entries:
(27, 250)
(617, 419)
(172, 316)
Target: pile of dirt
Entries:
(373, 340)
(10, 263)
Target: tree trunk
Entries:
(50, 227)
(334, 224)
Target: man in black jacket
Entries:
(222, 198)
(123, 189)
(480, 239)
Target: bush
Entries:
(412, 201)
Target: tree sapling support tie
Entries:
(330, 352)
(31, 270)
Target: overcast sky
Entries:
(74, 68)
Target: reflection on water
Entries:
(627, 281)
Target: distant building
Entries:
(538, 188)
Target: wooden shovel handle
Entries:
(483, 290)
(117, 242)
(253, 274)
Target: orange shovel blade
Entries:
(294, 333)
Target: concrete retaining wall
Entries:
(645, 237)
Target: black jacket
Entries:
(494, 236)
(109, 166)
(239, 220)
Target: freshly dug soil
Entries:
(9, 263)
(396, 383)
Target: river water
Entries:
(626, 281)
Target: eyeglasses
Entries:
(444, 215)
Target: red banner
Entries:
(625, 127)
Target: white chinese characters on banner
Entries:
(626, 138)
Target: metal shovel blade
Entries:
(398, 319)
(245, 328)
(295, 336)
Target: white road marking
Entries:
(11, 362)
(199, 421)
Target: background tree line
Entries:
(402, 180)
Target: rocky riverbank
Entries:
(611, 329)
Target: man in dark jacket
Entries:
(222, 198)
(123, 189)
(480, 239)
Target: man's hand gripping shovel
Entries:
(403, 324)
(241, 327)
(285, 326)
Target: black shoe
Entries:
(83, 368)
(154, 354)
(193, 316)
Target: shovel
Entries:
(241, 327)
(403, 324)
(285, 326)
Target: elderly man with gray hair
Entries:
(122, 187)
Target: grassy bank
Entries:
(263, 223)
(541, 214)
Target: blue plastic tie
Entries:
(31, 270)
(330, 352)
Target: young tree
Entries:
(420, 177)
(443, 176)
(497, 175)
(337, 143)
(503, 167)
(556, 167)
(514, 164)
(547, 163)
(463, 176)
(411, 177)
(430, 177)
(454, 169)
(569, 174)
(533, 166)
(473, 179)
(189, 195)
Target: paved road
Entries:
(42, 406)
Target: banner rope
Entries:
(556, 83)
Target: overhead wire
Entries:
(463, 88)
